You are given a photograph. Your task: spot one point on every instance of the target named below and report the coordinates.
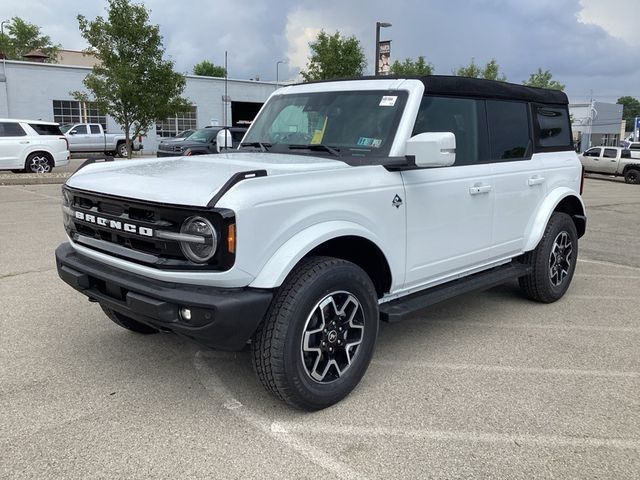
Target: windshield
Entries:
(353, 123)
(65, 128)
(204, 135)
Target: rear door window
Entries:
(95, 129)
(610, 153)
(44, 129)
(11, 129)
(509, 132)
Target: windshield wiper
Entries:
(264, 147)
(317, 146)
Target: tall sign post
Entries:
(376, 63)
(636, 130)
(384, 55)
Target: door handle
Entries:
(24, 142)
(535, 181)
(478, 189)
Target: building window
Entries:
(171, 126)
(609, 140)
(73, 111)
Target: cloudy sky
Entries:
(590, 45)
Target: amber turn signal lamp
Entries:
(231, 238)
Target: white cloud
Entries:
(618, 17)
(299, 32)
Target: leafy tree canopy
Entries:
(21, 37)
(630, 110)
(334, 56)
(543, 80)
(491, 71)
(208, 69)
(132, 82)
(412, 67)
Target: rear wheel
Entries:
(122, 150)
(319, 334)
(553, 261)
(127, 322)
(38, 163)
(632, 176)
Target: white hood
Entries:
(187, 180)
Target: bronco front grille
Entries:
(127, 228)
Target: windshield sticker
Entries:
(318, 134)
(369, 142)
(388, 101)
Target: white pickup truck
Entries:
(612, 161)
(91, 138)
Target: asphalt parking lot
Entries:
(488, 385)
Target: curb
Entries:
(34, 179)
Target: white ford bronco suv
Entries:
(347, 202)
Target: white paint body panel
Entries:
(15, 150)
(453, 221)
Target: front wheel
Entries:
(319, 334)
(632, 176)
(553, 261)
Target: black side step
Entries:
(398, 309)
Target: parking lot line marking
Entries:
(602, 297)
(217, 389)
(35, 193)
(594, 275)
(608, 264)
(460, 436)
(507, 369)
(539, 326)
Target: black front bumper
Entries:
(222, 318)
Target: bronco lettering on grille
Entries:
(114, 224)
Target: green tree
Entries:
(491, 71)
(208, 69)
(630, 110)
(542, 79)
(334, 56)
(132, 82)
(412, 67)
(21, 37)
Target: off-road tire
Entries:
(277, 350)
(128, 323)
(538, 284)
(632, 176)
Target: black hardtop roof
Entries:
(476, 87)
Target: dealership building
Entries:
(596, 124)
(41, 91)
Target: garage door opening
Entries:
(243, 113)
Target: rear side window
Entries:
(509, 132)
(634, 146)
(552, 126)
(95, 128)
(43, 129)
(11, 129)
(610, 153)
(464, 117)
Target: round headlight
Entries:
(202, 247)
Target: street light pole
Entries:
(278, 70)
(379, 25)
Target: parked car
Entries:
(348, 202)
(203, 141)
(634, 148)
(31, 146)
(91, 138)
(612, 161)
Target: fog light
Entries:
(185, 313)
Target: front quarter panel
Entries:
(281, 218)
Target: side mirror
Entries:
(72, 132)
(223, 135)
(433, 149)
